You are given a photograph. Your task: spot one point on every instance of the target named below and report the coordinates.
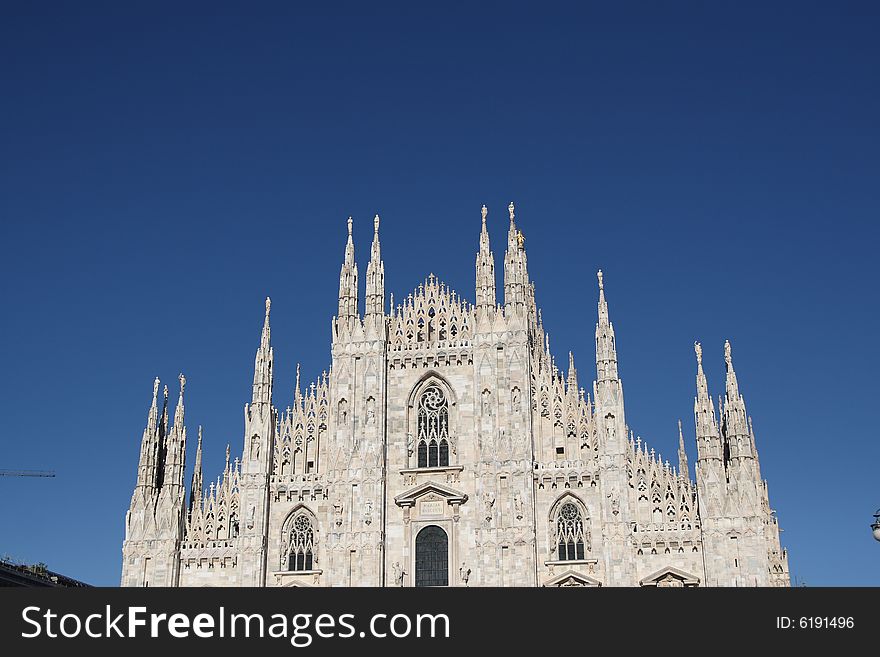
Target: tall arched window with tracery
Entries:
(301, 544)
(433, 428)
(571, 536)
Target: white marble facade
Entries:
(446, 447)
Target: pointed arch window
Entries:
(433, 428)
(570, 534)
(300, 555)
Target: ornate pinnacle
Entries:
(602, 305)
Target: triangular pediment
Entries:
(670, 573)
(572, 578)
(451, 495)
(500, 323)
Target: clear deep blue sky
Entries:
(165, 167)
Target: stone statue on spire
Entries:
(698, 349)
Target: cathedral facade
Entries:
(446, 447)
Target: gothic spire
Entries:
(606, 346)
(603, 305)
(708, 438)
(682, 455)
(702, 385)
(266, 335)
(735, 423)
(375, 295)
(195, 494)
(732, 386)
(263, 363)
(516, 274)
(572, 373)
(153, 415)
(754, 449)
(151, 444)
(485, 269)
(175, 447)
(163, 425)
(178, 411)
(348, 283)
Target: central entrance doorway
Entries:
(432, 557)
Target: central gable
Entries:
(433, 315)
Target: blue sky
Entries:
(166, 166)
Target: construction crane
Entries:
(27, 473)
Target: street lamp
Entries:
(875, 526)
